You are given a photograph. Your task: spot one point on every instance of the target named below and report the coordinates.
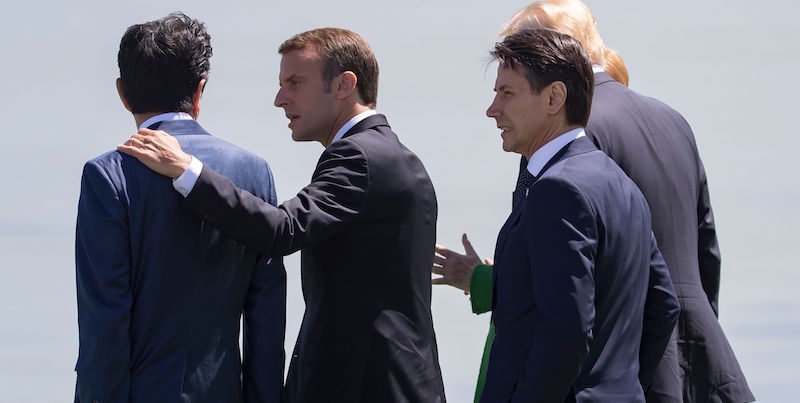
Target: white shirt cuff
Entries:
(185, 183)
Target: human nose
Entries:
(280, 98)
(493, 111)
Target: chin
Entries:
(298, 136)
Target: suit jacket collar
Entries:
(179, 127)
(368, 123)
(578, 146)
(601, 77)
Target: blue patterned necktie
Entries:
(524, 180)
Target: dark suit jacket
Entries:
(161, 293)
(366, 225)
(655, 147)
(571, 281)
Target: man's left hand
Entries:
(158, 151)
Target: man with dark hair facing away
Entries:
(161, 292)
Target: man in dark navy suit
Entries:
(573, 262)
(161, 292)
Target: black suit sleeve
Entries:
(708, 249)
(333, 199)
(561, 243)
(661, 310)
(103, 270)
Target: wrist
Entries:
(181, 166)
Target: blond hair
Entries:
(571, 17)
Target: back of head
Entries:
(162, 62)
(571, 17)
(544, 56)
(341, 50)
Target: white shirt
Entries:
(185, 183)
(547, 151)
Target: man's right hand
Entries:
(158, 151)
(456, 269)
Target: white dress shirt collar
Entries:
(352, 122)
(547, 151)
(166, 116)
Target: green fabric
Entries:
(487, 348)
(480, 291)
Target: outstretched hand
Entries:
(455, 268)
(158, 151)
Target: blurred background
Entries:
(725, 65)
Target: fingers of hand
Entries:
(439, 281)
(438, 260)
(488, 262)
(130, 149)
(468, 246)
(440, 249)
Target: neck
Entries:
(551, 134)
(340, 121)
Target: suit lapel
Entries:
(577, 146)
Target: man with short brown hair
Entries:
(573, 262)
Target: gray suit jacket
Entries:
(655, 146)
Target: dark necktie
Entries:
(524, 180)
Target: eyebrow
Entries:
(290, 78)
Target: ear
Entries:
(345, 84)
(198, 94)
(557, 97)
(122, 95)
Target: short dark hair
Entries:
(341, 50)
(543, 57)
(161, 63)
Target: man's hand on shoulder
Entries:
(158, 151)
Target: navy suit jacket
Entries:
(161, 293)
(655, 146)
(579, 285)
(366, 225)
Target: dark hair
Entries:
(543, 57)
(161, 63)
(341, 50)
